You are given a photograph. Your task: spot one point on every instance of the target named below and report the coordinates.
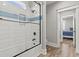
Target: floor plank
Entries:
(66, 50)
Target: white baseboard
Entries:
(52, 44)
(77, 51)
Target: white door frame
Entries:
(59, 20)
(62, 26)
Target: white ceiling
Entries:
(49, 2)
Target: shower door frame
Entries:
(40, 22)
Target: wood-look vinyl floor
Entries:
(66, 50)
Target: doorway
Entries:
(66, 25)
(67, 28)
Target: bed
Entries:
(67, 34)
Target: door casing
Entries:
(59, 23)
